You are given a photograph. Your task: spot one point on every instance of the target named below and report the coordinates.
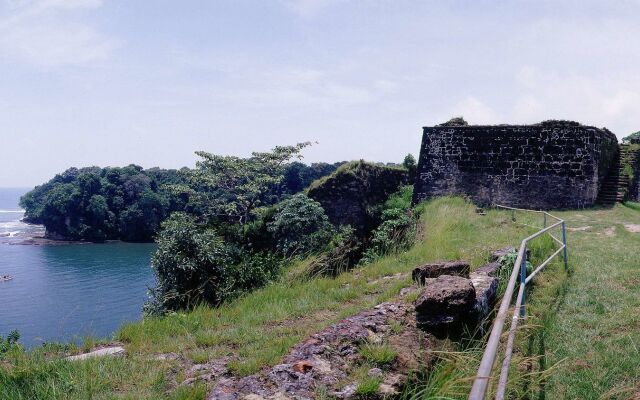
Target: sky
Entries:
(115, 82)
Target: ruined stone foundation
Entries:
(554, 164)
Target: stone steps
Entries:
(616, 185)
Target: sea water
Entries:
(65, 292)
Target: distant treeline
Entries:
(129, 203)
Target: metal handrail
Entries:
(481, 381)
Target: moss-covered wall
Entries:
(353, 194)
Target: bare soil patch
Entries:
(633, 228)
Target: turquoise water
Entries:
(65, 292)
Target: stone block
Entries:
(434, 270)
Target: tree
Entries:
(234, 187)
(193, 264)
(189, 264)
(409, 163)
(634, 138)
(300, 226)
(109, 203)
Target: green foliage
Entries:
(193, 264)
(354, 194)
(103, 203)
(300, 226)
(299, 176)
(634, 138)
(380, 355)
(9, 343)
(346, 251)
(368, 388)
(189, 264)
(397, 229)
(410, 164)
(455, 121)
(233, 187)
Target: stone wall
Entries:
(634, 186)
(352, 195)
(554, 164)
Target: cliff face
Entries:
(554, 164)
(351, 195)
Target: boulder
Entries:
(446, 304)
(434, 270)
(496, 254)
(486, 287)
(491, 269)
(107, 351)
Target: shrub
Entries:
(193, 264)
(300, 226)
(9, 343)
(396, 231)
(189, 264)
(346, 251)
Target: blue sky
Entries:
(100, 82)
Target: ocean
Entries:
(65, 292)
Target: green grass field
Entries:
(593, 341)
(580, 341)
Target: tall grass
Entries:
(259, 328)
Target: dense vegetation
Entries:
(129, 203)
(257, 329)
(634, 138)
(230, 224)
(242, 226)
(104, 203)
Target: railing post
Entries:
(513, 215)
(564, 241)
(545, 220)
(523, 279)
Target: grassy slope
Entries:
(596, 327)
(595, 336)
(258, 329)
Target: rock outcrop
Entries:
(434, 270)
(326, 360)
(105, 351)
(446, 304)
(350, 195)
(454, 299)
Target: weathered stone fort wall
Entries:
(554, 164)
(634, 187)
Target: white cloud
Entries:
(475, 112)
(42, 33)
(308, 8)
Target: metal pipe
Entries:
(564, 242)
(523, 279)
(481, 381)
(524, 209)
(506, 363)
(544, 264)
(560, 242)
